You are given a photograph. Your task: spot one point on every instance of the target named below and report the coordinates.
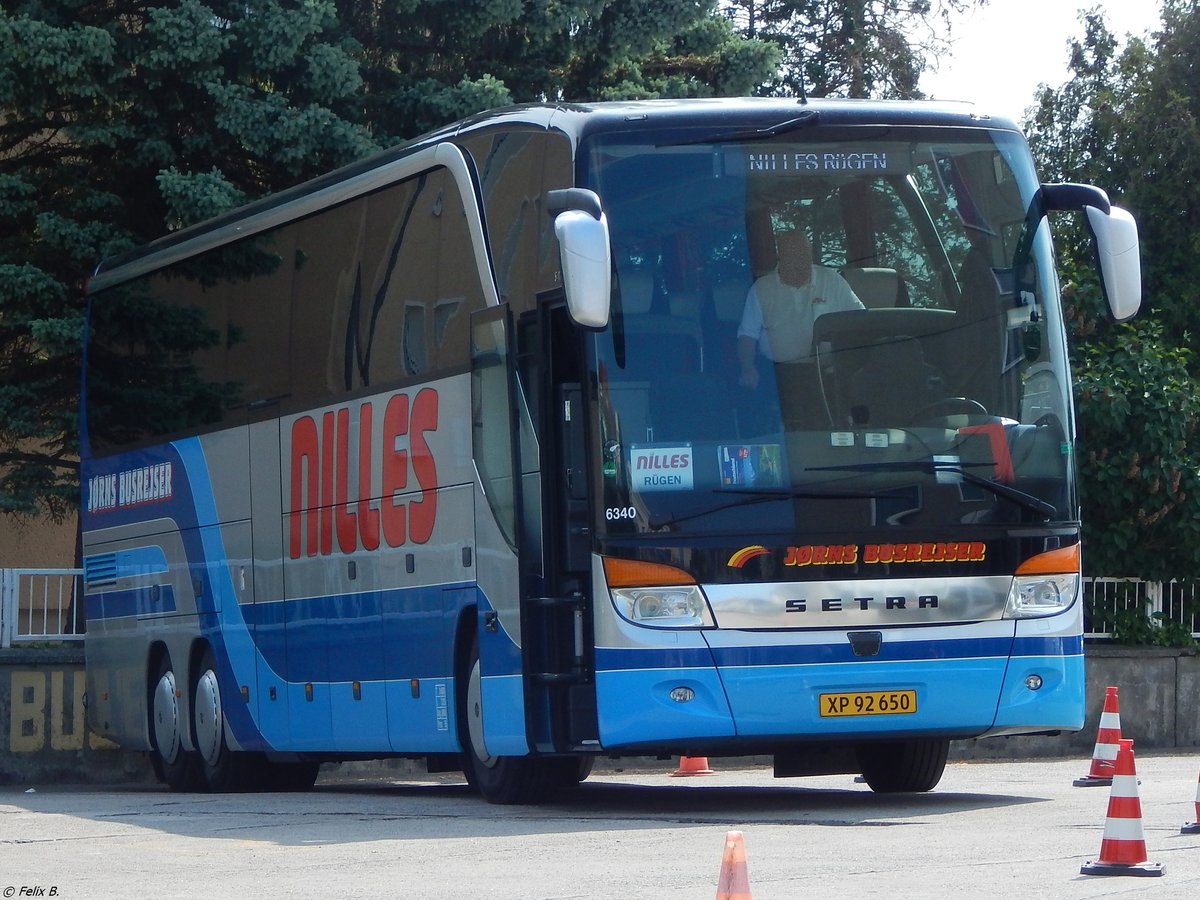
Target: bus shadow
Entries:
(402, 811)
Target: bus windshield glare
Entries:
(829, 333)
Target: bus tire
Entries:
(895, 767)
(224, 770)
(565, 772)
(179, 769)
(502, 779)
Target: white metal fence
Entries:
(1107, 601)
(39, 605)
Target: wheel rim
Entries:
(208, 717)
(475, 718)
(166, 718)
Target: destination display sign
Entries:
(828, 160)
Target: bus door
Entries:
(532, 535)
(557, 625)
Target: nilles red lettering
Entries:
(324, 503)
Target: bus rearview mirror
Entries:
(1116, 238)
(586, 265)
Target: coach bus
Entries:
(475, 452)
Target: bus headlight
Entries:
(684, 606)
(1032, 596)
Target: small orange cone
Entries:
(734, 881)
(693, 765)
(1123, 848)
(1108, 735)
(1194, 827)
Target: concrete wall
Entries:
(43, 738)
(43, 735)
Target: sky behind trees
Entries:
(1004, 50)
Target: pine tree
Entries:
(118, 121)
(849, 48)
(430, 62)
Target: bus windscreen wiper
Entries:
(752, 497)
(934, 467)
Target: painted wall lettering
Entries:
(47, 712)
(325, 503)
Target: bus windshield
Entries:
(828, 331)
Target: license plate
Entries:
(868, 703)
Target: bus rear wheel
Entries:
(179, 769)
(223, 769)
(896, 767)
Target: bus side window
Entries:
(403, 277)
(458, 292)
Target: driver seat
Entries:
(893, 384)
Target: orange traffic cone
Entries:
(1123, 848)
(734, 881)
(1108, 735)
(1194, 827)
(693, 765)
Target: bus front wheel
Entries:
(898, 767)
(507, 779)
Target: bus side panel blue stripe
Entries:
(395, 634)
(221, 618)
(133, 602)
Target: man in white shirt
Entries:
(783, 304)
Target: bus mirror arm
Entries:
(1116, 240)
(584, 252)
(574, 198)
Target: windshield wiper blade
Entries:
(806, 118)
(752, 497)
(933, 467)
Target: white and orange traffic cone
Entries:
(1194, 827)
(1108, 736)
(734, 880)
(692, 765)
(1123, 848)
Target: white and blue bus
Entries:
(500, 450)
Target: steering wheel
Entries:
(950, 406)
